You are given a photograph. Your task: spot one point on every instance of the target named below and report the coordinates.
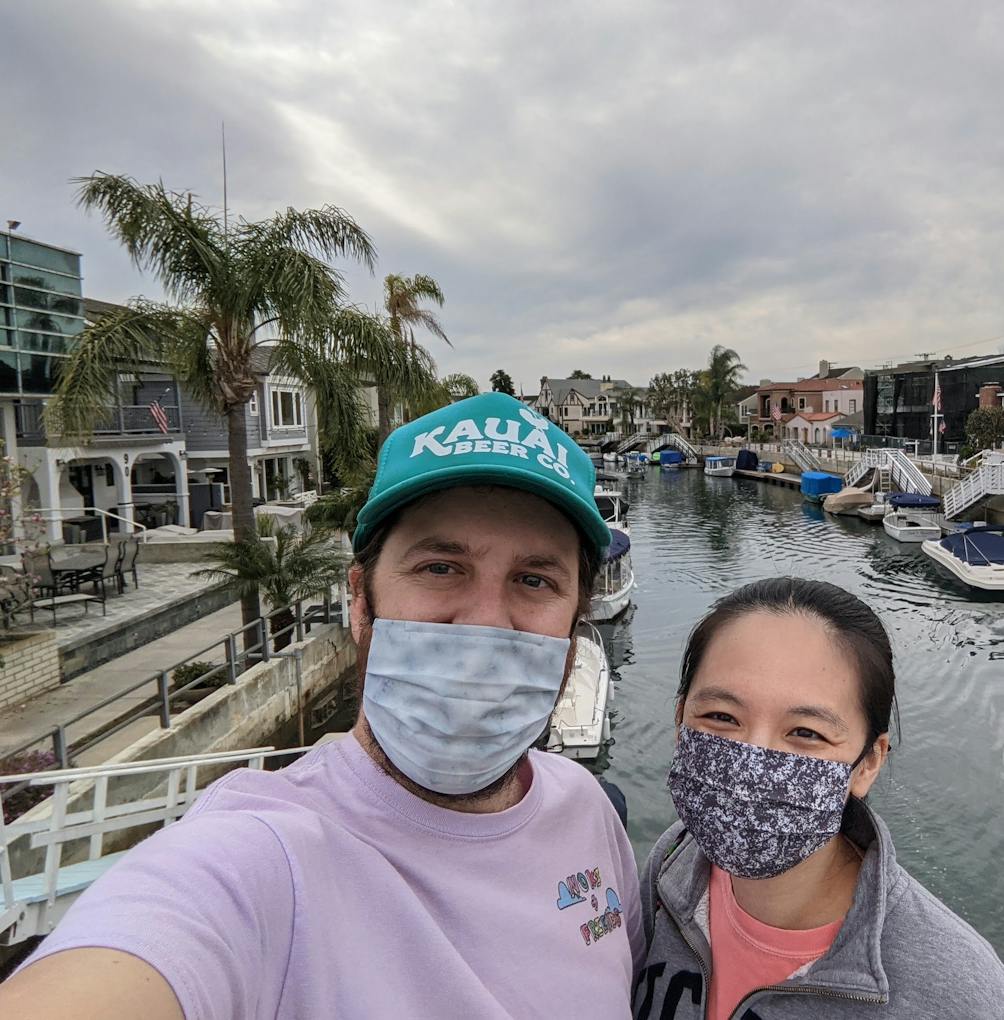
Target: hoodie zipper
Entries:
(805, 990)
(706, 977)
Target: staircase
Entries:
(902, 472)
(987, 480)
(632, 441)
(800, 454)
(648, 443)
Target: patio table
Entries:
(75, 566)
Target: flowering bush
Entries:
(21, 765)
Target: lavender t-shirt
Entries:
(327, 890)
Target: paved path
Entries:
(46, 711)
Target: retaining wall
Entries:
(30, 667)
(242, 715)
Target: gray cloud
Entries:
(612, 187)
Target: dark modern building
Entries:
(41, 312)
(899, 400)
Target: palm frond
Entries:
(327, 233)
(141, 336)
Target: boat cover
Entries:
(978, 548)
(913, 501)
(670, 457)
(847, 500)
(619, 545)
(746, 460)
(819, 483)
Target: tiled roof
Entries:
(813, 385)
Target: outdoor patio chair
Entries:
(128, 564)
(16, 595)
(113, 567)
(38, 568)
(96, 575)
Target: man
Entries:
(427, 865)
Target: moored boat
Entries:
(913, 518)
(614, 581)
(580, 722)
(817, 485)
(670, 460)
(719, 467)
(847, 501)
(613, 507)
(975, 556)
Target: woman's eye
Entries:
(723, 717)
(803, 733)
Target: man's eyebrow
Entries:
(817, 712)
(718, 694)
(435, 544)
(542, 562)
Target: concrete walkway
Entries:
(47, 711)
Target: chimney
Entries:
(990, 395)
(824, 369)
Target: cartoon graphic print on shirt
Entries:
(572, 891)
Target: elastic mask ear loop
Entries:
(869, 747)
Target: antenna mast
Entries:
(226, 219)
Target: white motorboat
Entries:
(873, 512)
(610, 458)
(913, 518)
(719, 467)
(974, 555)
(614, 581)
(613, 507)
(580, 722)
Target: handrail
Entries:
(104, 514)
(236, 661)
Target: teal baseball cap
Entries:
(492, 439)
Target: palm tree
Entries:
(628, 398)
(459, 386)
(284, 564)
(721, 380)
(403, 297)
(226, 281)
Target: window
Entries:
(253, 405)
(801, 403)
(853, 406)
(826, 405)
(287, 409)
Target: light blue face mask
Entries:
(454, 706)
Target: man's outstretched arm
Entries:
(89, 984)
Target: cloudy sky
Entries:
(614, 187)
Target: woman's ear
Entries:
(679, 716)
(864, 776)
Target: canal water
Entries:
(695, 538)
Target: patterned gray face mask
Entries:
(753, 811)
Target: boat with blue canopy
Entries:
(614, 581)
(911, 517)
(670, 459)
(975, 556)
(719, 467)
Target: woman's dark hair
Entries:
(851, 623)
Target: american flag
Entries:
(159, 416)
(936, 399)
(775, 412)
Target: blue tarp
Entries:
(819, 483)
(671, 457)
(843, 433)
(912, 501)
(977, 547)
(619, 545)
(746, 460)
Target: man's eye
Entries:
(533, 580)
(440, 569)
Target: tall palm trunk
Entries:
(385, 406)
(240, 502)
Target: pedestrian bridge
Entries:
(88, 808)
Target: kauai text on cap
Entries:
(466, 437)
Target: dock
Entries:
(782, 478)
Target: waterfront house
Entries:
(812, 427)
(832, 389)
(898, 399)
(593, 407)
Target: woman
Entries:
(778, 893)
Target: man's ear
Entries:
(359, 610)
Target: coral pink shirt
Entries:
(747, 954)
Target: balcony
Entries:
(133, 420)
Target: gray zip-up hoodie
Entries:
(901, 954)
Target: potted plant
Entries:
(211, 677)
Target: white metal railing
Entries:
(987, 480)
(904, 473)
(800, 454)
(104, 515)
(28, 906)
(677, 441)
(631, 440)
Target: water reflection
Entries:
(695, 538)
